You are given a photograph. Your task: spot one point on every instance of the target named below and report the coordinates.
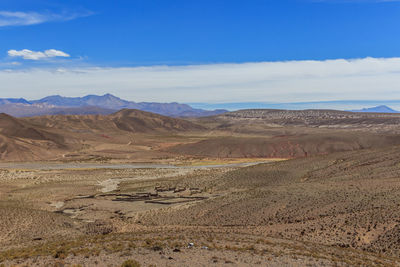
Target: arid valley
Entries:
(187, 133)
(245, 188)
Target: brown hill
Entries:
(287, 146)
(54, 136)
(23, 149)
(140, 121)
(20, 140)
(251, 133)
(292, 133)
(129, 120)
(15, 128)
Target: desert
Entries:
(199, 133)
(160, 191)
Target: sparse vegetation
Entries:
(340, 208)
(130, 263)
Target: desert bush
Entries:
(130, 263)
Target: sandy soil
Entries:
(122, 190)
(335, 210)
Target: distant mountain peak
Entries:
(377, 109)
(4, 101)
(110, 95)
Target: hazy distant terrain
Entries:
(332, 105)
(93, 104)
(107, 104)
(377, 109)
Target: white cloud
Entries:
(291, 81)
(55, 53)
(37, 55)
(9, 18)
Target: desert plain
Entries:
(245, 188)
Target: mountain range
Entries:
(377, 109)
(94, 104)
(108, 104)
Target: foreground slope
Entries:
(347, 200)
(334, 210)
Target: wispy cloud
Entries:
(291, 81)
(37, 55)
(10, 18)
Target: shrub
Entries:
(130, 263)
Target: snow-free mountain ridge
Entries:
(377, 109)
(94, 104)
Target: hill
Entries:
(333, 119)
(141, 121)
(126, 120)
(141, 135)
(14, 128)
(284, 146)
(291, 134)
(57, 136)
(20, 140)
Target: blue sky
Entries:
(158, 50)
